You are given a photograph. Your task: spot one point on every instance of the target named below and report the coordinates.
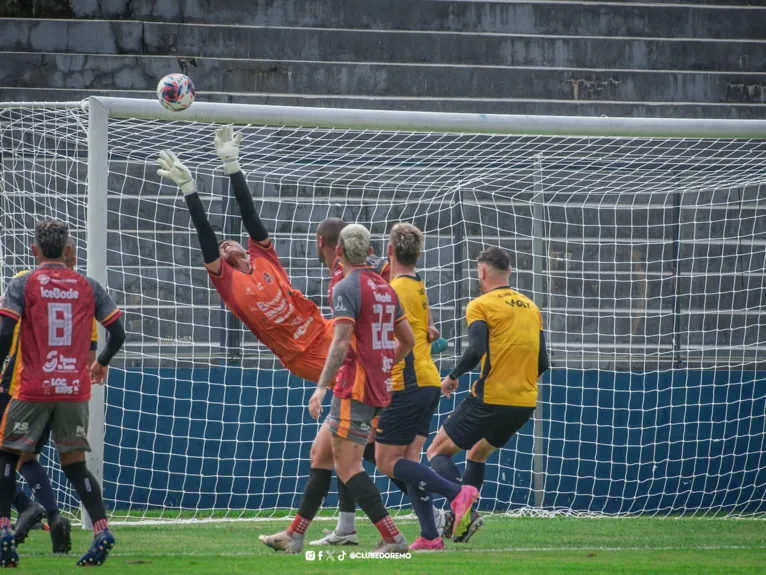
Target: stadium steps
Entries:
(404, 47)
(45, 70)
(654, 59)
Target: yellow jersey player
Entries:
(404, 425)
(505, 333)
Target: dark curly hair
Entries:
(51, 237)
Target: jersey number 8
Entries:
(59, 324)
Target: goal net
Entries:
(646, 255)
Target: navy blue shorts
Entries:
(474, 420)
(408, 415)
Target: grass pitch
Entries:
(504, 545)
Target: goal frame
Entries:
(101, 109)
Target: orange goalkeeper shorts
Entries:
(309, 364)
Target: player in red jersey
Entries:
(367, 316)
(344, 533)
(55, 306)
(30, 513)
(252, 282)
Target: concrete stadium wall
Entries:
(623, 59)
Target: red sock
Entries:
(100, 525)
(387, 528)
(299, 525)
(5, 522)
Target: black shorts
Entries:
(5, 398)
(474, 420)
(408, 415)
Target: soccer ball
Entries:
(175, 92)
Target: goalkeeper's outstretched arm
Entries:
(227, 147)
(173, 169)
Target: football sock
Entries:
(444, 466)
(37, 479)
(424, 509)
(89, 491)
(21, 500)
(346, 523)
(347, 511)
(426, 478)
(316, 490)
(474, 473)
(387, 529)
(369, 456)
(367, 496)
(298, 527)
(8, 463)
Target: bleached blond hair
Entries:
(355, 244)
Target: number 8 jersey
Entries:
(365, 299)
(56, 307)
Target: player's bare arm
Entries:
(341, 341)
(227, 144)
(173, 169)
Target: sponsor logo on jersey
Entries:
(303, 329)
(80, 431)
(61, 386)
(267, 277)
(51, 362)
(58, 293)
(383, 297)
(339, 304)
(56, 362)
(43, 279)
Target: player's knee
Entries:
(321, 455)
(71, 457)
(480, 452)
(386, 465)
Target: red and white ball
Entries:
(175, 92)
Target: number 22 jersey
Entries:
(365, 299)
(56, 307)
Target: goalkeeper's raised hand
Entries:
(173, 169)
(227, 147)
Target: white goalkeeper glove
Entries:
(173, 169)
(227, 147)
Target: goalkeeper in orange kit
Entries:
(252, 282)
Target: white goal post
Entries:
(641, 240)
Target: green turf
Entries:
(505, 545)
